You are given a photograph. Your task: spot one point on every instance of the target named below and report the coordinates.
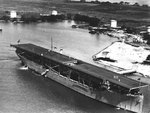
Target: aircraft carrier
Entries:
(95, 82)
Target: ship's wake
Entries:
(9, 59)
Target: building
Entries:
(54, 12)
(13, 14)
(148, 29)
(113, 24)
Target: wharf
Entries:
(126, 56)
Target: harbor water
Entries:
(23, 92)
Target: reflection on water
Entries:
(22, 92)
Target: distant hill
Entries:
(38, 0)
(28, 5)
(131, 15)
(141, 2)
(10, 1)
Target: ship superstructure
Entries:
(92, 81)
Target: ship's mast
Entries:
(51, 44)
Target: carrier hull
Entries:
(126, 102)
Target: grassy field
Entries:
(124, 14)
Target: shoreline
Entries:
(128, 15)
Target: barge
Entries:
(87, 79)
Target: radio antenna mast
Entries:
(51, 44)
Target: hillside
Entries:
(130, 14)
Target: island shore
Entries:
(126, 15)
